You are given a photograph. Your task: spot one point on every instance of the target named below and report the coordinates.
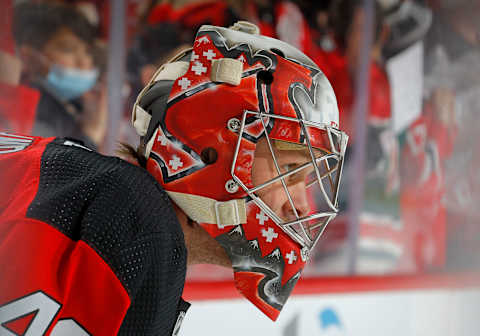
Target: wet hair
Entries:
(34, 24)
(131, 154)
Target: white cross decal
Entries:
(203, 39)
(209, 54)
(242, 59)
(291, 257)
(184, 83)
(194, 56)
(262, 218)
(163, 139)
(175, 162)
(269, 234)
(198, 68)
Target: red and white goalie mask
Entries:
(242, 132)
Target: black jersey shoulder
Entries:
(126, 217)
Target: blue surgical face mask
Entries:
(70, 83)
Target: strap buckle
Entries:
(225, 212)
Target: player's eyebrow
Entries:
(292, 146)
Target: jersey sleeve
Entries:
(98, 247)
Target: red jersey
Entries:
(89, 244)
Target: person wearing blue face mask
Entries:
(55, 43)
(70, 83)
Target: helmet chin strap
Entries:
(208, 210)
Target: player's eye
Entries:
(289, 166)
(295, 177)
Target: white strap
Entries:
(141, 119)
(149, 146)
(171, 71)
(168, 71)
(227, 70)
(246, 27)
(208, 210)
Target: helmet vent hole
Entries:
(265, 77)
(209, 155)
(278, 52)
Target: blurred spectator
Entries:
(408, 22)
(97, 13)
(428, 143)
(282, 19)
(292, 27)
(341, 65)
(455, 28)
(382, 244)
(17, 102)
(55, 44)
(154, 46)
(190, 15)
(453, 75)
(316, 15)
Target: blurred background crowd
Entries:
(406, 74)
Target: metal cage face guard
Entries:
(319, 172)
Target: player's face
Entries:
(274, 195)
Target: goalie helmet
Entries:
(206, 116)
